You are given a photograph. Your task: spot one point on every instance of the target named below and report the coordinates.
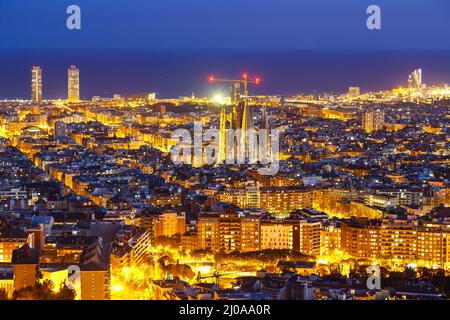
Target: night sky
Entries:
(218, 24)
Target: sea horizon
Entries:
(172, 73)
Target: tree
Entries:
(170, 242)
(410, 274)
(40, 291)
(266, 257)
(359, 272)
(182, 271)
(424, 274)
(44, 291)
(3, 295)
(65, 293)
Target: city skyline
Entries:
(361, 181)
(224, 155)
(273, 80)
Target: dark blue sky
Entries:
(214, 24)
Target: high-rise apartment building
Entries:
(277, 235)
(310, 237)
(169, 224)
(11, 240)
(330, 238)
(373, 121)
(433, 244)
(25, 266)
(398, 239)
(208, 232)
(228, 232)
(361, 238)
(283, 201)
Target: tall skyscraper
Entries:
(36, 84)
(73, 84)
(415, 79)
(373, 121)
(222, 156)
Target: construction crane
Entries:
(243, 122)
(246, 80)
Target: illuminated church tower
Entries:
(223, 135)
(241, 118)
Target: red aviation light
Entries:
(258, 80)
(245, 75)
(211, 78)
